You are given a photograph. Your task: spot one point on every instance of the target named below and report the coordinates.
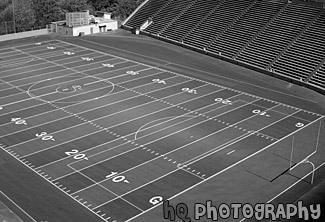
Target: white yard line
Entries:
(107, 127)
(227, 168)
(209, 154)
(98, 107)
(42, 63)
(22, 93)
(211, 74)
(21, 209)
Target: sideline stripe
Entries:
(231, 90)
(21, 209)
(233, 165)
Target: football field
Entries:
(120, 137)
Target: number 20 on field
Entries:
(76, 155)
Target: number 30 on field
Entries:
(44, 136)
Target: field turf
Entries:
(87, 135)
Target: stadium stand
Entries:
(319, 77)
(279, 34)
(148, 10)
(221, 17)
(169, 13)
(278, 37)
(239, 35)
(189, 20)
(314, 36)
(303, 56)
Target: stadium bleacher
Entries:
(315, 38)
(280, 37)
(221, 17)
(319, 77)
(241, 33)
(148, 10)
(303, 56)
(279, 34)
(189, 20)
(167, 15)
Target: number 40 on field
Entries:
(19, 121)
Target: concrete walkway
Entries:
(23, 34)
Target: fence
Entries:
(9, 28)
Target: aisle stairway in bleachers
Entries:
(254, 20)
(307, 51)
(318, 78)
(166, 15)
(221, 17)
(315, 37)
(277, 37)
(147, 11)
(189, 19)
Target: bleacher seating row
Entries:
(148, 10)
(303, 55)
(284, 39)
(166, 15)
(243, 31)
(319, 77)
(189, 20)
(219, 19)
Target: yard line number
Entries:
(261, 113)
(223, 101)
(87, 59)
(44, 136)
(299, 125)
(107, 65)
(117, 179)
(188, 90)
(159, 81)
(132, 73)
(68, 53)
(19, 121)
(76, 155)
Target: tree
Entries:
(6, 12)
(123, 8)
(6, 17)
(4, 4)
(73, 5)
(38, 13)
(102, 5)
(24, 15)
(46, 11)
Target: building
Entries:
(81, 23)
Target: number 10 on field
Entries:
(117, 179)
